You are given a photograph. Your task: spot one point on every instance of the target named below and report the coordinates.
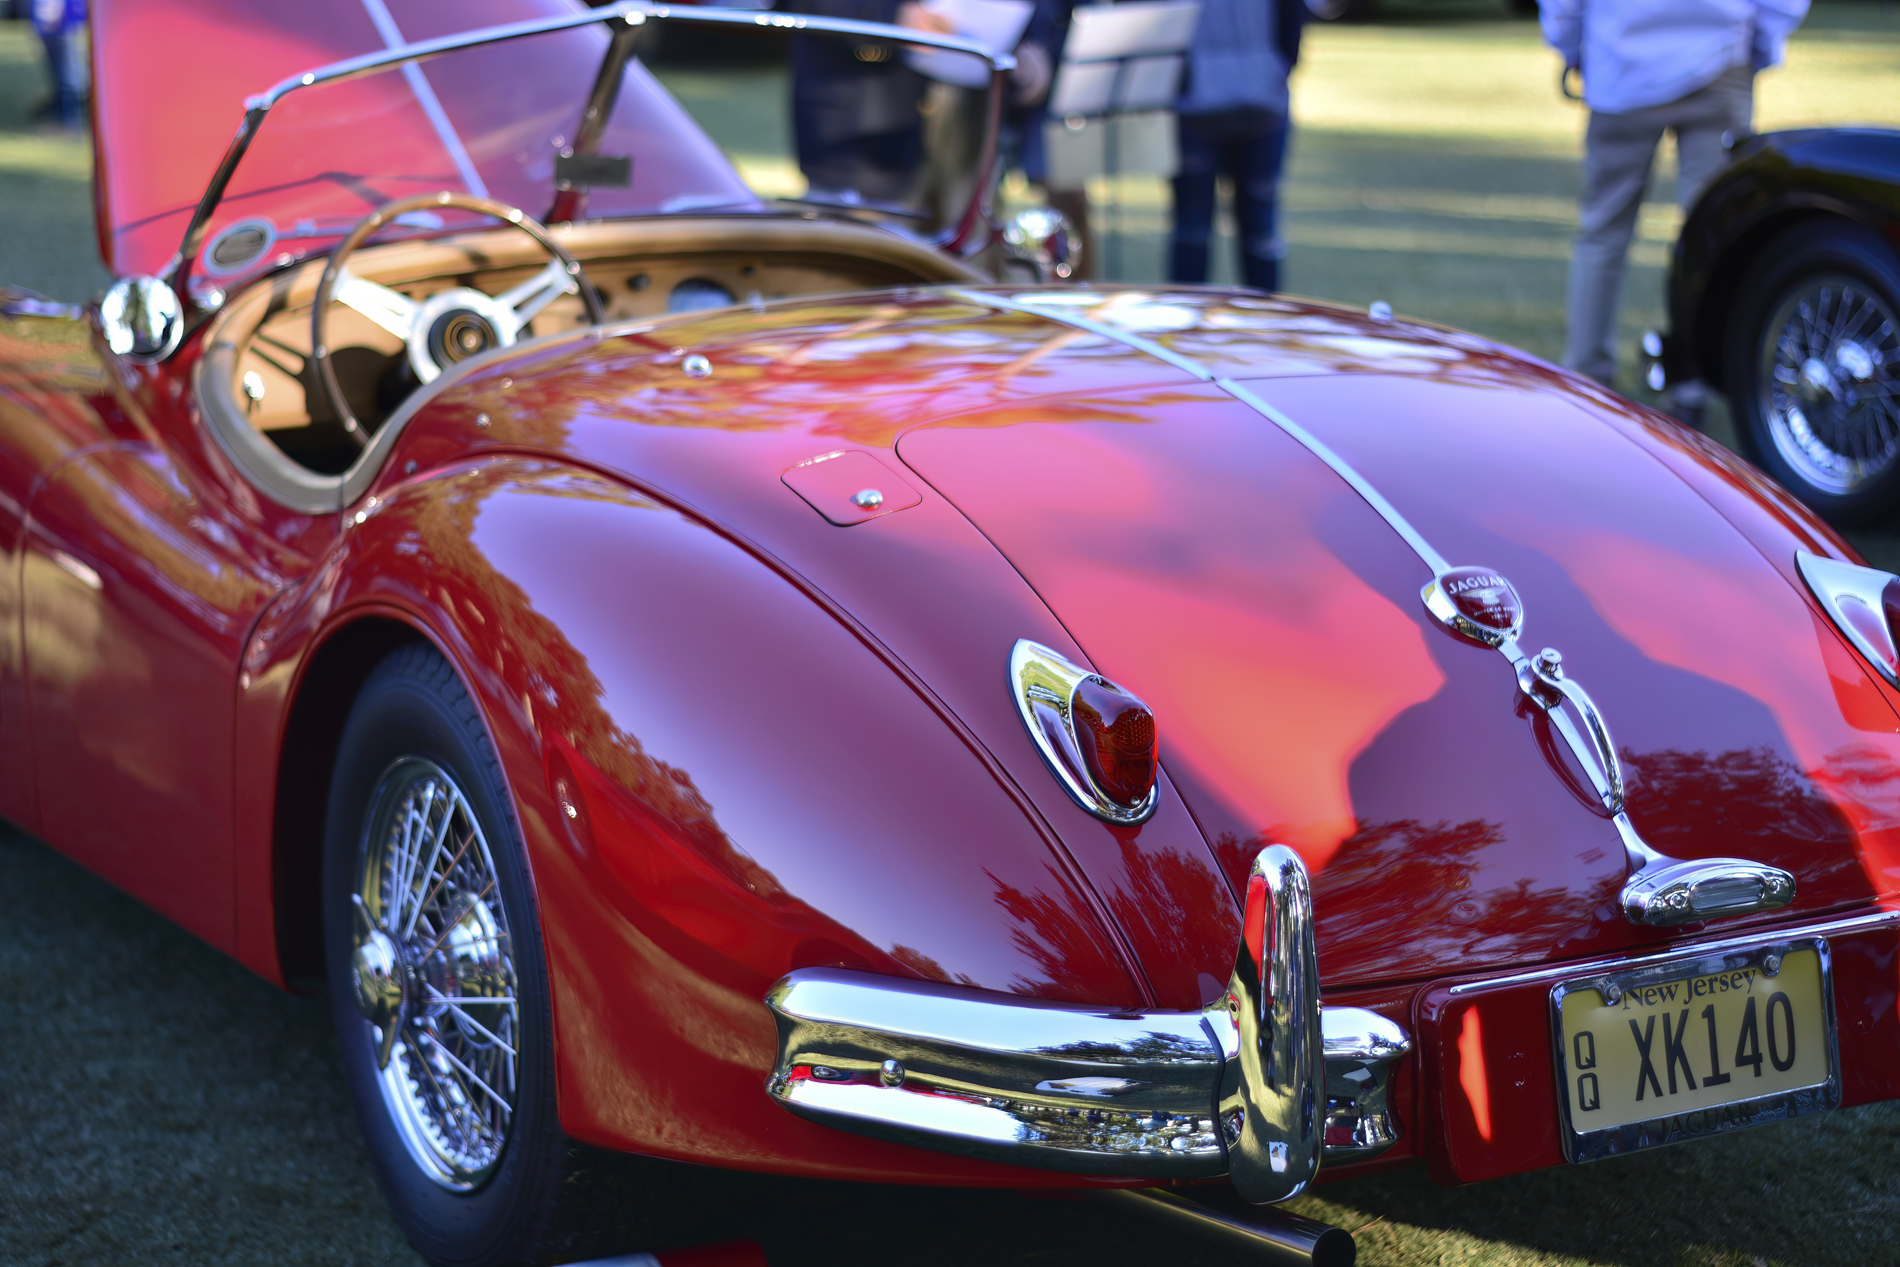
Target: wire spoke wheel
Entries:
(434, 974)
(1829, 383)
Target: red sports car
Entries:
(697, 671)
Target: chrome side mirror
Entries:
(141, 318)
(1043, 238)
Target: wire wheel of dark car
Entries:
(1814, 369)
(436, 974)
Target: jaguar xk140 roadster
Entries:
(592, 567)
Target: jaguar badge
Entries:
(1475, 603)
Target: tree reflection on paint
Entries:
(1756, 804)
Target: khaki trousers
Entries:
(1617, 153)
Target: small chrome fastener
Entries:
(1550, 664)
(481, 420)
(1379, 310)
(696, 366)
(1771, 965)
(1611, 993)
(891, 1073)
(867, 499)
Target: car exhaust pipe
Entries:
(745, 1253)
(1269, 1234)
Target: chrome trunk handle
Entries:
(1660, 891)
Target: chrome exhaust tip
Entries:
(1266, 1232)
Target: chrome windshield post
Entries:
(1273, 1086)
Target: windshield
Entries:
(744, 119)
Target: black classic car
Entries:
(1784, 294)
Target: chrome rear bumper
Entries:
(1258, 1086)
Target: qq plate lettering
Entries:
(1688, 1048)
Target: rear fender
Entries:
(718, 783)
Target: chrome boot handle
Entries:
(1542, 680)
(1480, 605)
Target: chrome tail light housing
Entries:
(1097, 738)
(1863, 603)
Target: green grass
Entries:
(158, 1104)
(47, 244)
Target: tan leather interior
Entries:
(263, 337)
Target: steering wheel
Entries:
(450, 325)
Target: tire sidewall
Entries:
(413, 705)
(1826, 247)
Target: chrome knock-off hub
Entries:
(376, 968)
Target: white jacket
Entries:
(1637, 53)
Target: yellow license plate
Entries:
(1686, 1049)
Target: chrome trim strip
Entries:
(1238, 1088)
(1601, 964)
(1114, 334)
(1342, 468)
(426, 98)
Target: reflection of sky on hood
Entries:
(1246, 337)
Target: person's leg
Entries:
(1617, 152)
(54, 43)
(1257, 159)
(1194, 182)
(75, 76)
(1704, 121)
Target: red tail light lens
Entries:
(1116, 733)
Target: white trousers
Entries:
(1617, 153)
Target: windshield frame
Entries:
(622, 18)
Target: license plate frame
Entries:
(1593, 1145)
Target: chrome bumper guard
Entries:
(1259, 1086)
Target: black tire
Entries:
(534, 1201)
(1811, 362)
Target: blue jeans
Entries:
(1249, 148)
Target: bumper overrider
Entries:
(1260, 1086)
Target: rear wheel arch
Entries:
(1726, 272)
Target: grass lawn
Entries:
(160, 1105)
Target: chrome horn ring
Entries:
(434, 975)
(456, 323)
(1826, 374)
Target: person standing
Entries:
(61, 26)
(1650, 66)
(1231, 119)
(855, 103)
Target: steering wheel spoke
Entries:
(451, 325)
(528, 299)
(390, 309)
